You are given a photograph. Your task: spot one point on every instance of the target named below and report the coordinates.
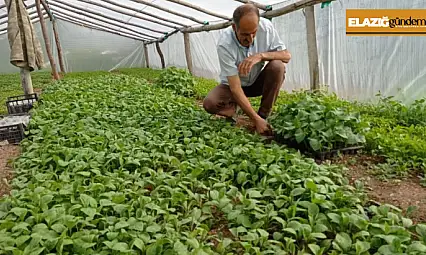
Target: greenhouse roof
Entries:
(150, 20)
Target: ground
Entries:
(403, 193)
(7, 153)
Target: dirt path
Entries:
(402, 193)
(7, 152)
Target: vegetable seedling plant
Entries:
(113, 165)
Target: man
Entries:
(243, 50)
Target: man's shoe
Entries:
(232, 120)
(262, 115)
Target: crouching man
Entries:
(243, 50)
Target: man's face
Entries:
(246, 31)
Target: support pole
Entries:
(268, 14)
(145, 48)
(26, 81)
(260, 6)
(58, 46)
(312, 47)
(56, 34)
(198, 8)
(46, 41)
(95, 16)
(97, 27)
(188, 55)
(163, 65)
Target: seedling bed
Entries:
(317, 155)
(21, 103)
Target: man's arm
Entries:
(230, 70)
(276, 50)
(240, 97)
(245, 66)
(282, 55)
(262, 127)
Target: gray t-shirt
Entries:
(231, 53)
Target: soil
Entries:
(402, 193)
(37, 91)
(7, 153)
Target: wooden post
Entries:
(58, 46)
(157, 44)
(188, 55)
(46, 41)
(145, 48)
(268, 14)
(56, 34)
(312, 47)
(26, 81)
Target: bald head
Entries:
(245, 10)
(246, 21)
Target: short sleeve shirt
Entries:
(231, 53)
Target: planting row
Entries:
(116, 166)
(317, 123)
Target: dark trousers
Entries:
(267, 85)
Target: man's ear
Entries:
(234, 27)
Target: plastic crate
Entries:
(12, 133)
(317, 155)
(21, 103)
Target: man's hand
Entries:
(262, 127)
(245, 66)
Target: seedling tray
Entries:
(21, 103)
(318, 155)
(12, 133)
(12, 127)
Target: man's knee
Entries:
(276, 67)
(210, 105)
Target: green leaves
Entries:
(115, 165)
(342, 242)
(318, 122)
(88, 201)
(178, 80)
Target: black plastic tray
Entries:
(318, 155)
(12, 133)
(21, 103)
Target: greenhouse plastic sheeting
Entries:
(83, 49)
(356, 68)
(353, 67)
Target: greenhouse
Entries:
(109, 143)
